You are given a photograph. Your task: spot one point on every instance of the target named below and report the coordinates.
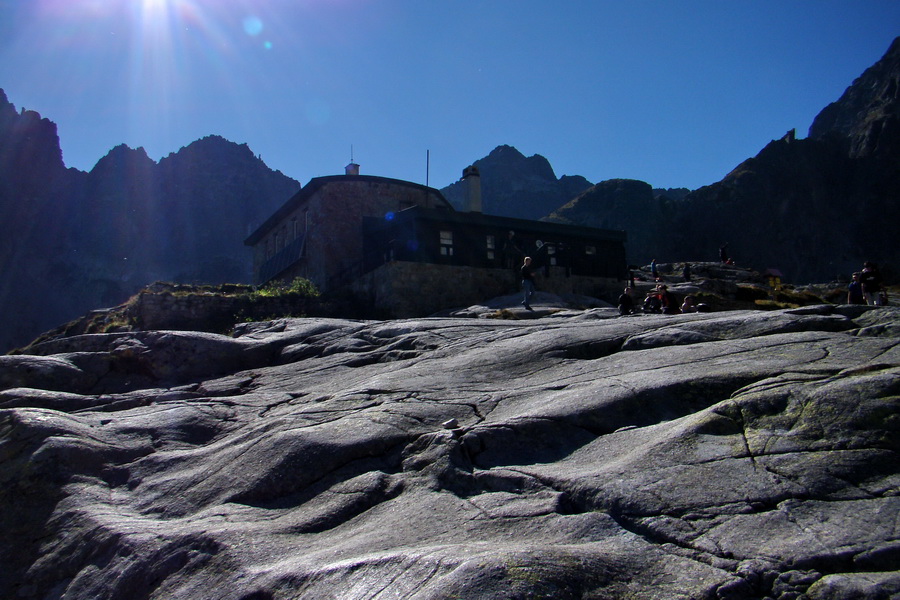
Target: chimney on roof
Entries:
(473, 188)
(351, 169)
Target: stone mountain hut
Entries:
(403, 251)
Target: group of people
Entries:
(659, 300)
(866, 287)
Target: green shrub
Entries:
(299, 287)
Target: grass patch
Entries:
(298, 287)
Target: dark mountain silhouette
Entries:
(815, 208)
(516, 186)
(72, 241)
(625, 204)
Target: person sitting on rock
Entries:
(689, 305)
(669, 302)
(626, 302)
(653, 302)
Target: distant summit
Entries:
(816, 208)
(865, 121)
(75, 241)
(70, 241)
(517, 186)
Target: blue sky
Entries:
(673, 93)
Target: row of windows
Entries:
(289, 232)
(446, 241)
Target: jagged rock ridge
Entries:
(74, 241)
(727, 455)
(866, 119)
(814, 208)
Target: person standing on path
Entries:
(855, 291)
(870, 279)
(528, 287)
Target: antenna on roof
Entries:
(352, 168)
(427, 166)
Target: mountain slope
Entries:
(814, 208)
(72, 241)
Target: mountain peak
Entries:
(514, 185)
(866, 118)
(509, 158)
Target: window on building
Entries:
(551, 252)
(490, 242)
(446, 243)
(295, 231)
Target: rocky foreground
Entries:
(725, 455)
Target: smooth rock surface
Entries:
(722, 455)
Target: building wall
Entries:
(331, 218)
(407, 289)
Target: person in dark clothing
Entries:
(528, 287)
(653, 270)
(669, 302)
(626, 302)
(653, 301)
(723, 252)
(870, 279)
(855, 291)
(686, 272)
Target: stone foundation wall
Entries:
(394, 290)
(211, 312)
(408, 289)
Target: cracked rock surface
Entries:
(717, 456)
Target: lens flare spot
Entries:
(267, 45)
(253, 26)
(389, 216)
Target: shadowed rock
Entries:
(721, 455)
